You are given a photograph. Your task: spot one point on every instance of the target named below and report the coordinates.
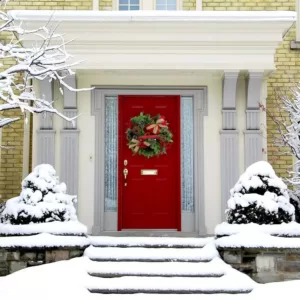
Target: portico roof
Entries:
(180, 40)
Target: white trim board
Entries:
(186, 40)
(192, 223)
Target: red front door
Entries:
(149, 201)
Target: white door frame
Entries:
(193, 223)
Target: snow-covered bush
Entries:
(43, 199)
(260, 197)
(295, 201)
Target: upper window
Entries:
(166, 4)
(129, 5)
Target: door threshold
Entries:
(149, 233)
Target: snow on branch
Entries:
(287, 120)
(48, 59)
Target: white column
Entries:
(253, 134)
(229, 139)
(70, 140)
(46, 134)
(95, 4)
(298, 21)
(296, 44)
(198, 4)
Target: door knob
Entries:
(125, 172)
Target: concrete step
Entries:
(172, 285)
(204, 254)
(149, 242)
(155, 269)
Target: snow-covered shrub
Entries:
(259, 197)
(43, 199)
(2, 207)
(295, 201)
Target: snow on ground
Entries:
(149, 241)
(68, 279)
(232, 280)
(257, 240)
(43, 240)
(284, 229)
(59, 228)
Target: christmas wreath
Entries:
(149, 136)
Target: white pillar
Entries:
(295, 45)
(253, 134)
(95, 4)
(298, 21)
(229, 138)
(46, 134)
(199, 4)
(69, 152)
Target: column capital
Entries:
(255, 74)
(70, 97)
(231, 74)
(254, 84)
(229, 89)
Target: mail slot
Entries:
(149, 172)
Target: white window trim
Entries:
(151, 4)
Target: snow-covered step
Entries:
(149, 242)
(155, 269)
(204, 254)
(170, 285)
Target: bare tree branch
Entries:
(48, 59)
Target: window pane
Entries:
(166, 4)
(129, 5)
(123, 7)
(160, 7)
(187, 154)
(111, 146)
(171, 7)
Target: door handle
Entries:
(125, 172)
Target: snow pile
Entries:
(256, 239)
(165, 242)
(206, 253)
(43, 199)
(286, 229)
(58, 228)
(260, 197)
(44, 240)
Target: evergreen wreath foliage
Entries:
(149, 136)
(259, 197)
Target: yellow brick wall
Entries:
(105, 4)
(52, 5)
(248, 4)
(189, 4)
(287, 69)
